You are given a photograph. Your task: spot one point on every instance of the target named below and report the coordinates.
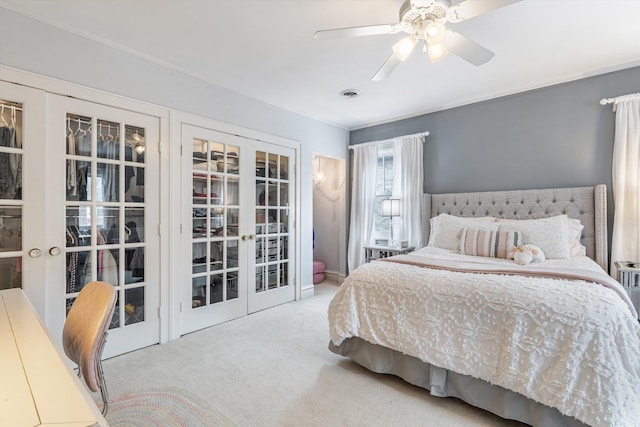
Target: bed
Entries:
(546, 351)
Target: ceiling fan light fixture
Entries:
(437, 52)
(434, 32)
(404, 47)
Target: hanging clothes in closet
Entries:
(78, 144)
(76, 273)
(107, 266)
(108, 148)
(10, 164)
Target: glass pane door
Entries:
(23, 230)
(109, 178)
(105, 205)
(11, 201)
(215, 253)
(215, 214)
(238, 246)
(272, 221)
(273, 212)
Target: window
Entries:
(384, 187)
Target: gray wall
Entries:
(559, 136)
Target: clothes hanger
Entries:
(80, 131)
(110, 137)
(13, 116)
(2, 116)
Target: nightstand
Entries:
(629, 278)
(375, 252)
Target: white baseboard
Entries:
(307, 291)
(334, 276)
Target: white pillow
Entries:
(575, 228)
(445, 229)
(550, 234)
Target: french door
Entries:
(238, 243)
(103, 213)
(79, 201)
(22, 193)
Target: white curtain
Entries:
(625, 245)
(363, 194)
(407, 186)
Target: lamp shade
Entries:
(434, 33)
(437, 52)
(391, 207)
(404, 47)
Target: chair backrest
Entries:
(85, 327)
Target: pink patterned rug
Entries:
(166, 407)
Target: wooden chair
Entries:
(85, 333)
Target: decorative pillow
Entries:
(550, 234)
(574, 228)
(488, 243)
(445, 229)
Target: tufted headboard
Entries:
(588, 204)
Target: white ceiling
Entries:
(265, 49)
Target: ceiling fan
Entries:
(425, 20)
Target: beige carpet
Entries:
(273, 368)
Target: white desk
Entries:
(37, 387)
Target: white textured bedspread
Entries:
(570, 344)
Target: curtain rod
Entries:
(605, 101)
(364, 144)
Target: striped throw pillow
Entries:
(488, 243)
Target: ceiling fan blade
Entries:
(466, 48)
(338, 33)
(468, 9)
(386, 69)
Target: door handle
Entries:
(35, 253)
(244, 237)
(252, 236)
(55, 251)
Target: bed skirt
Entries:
(443, 383)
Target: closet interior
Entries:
(99, 153)
(10, 194)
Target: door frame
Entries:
(176, 196)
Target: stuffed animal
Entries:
(524, 254)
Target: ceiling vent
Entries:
(350, 93)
